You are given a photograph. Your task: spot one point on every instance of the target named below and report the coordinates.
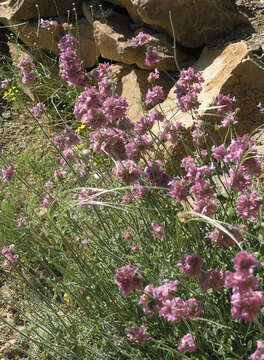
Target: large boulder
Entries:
(113, 38)
(33, 9)
(196, 23)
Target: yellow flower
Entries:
(10, 94)
(80, 128)
(78, 147)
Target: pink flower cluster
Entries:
(156, 175)
(158, 301)
(10, 257)
(127, 279)
(225, 103)
(201, 190)
(141, 39)
(245, 300)
(26, 65)
(69, 62)
(187, 89)
(158, 229)
(48, 24)
(8, 173)
(5, 82)
(127, 170)
(37, 109)
(191, 266)
(259, 353)
(187, 344)
(138, 334)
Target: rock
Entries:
(35, 37)
(133, 86)
(232, 70)
(128, 5)
(89, 51)
(114, 41)
(33, 9)
(196, 23)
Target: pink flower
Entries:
(229, 119)
(240, 282)
(244, 262)
(126, 198)
(219, 152)
(46, 200)
(259, 353)
(155, 95)
(48, 24)
(162, 292)
(139, 191)
(239, 179)
(149, 304)
(138, 334)
(247, 205)
(84, 240)
(137, 146)
(187, 344)
(70, 68)
(26, 65)
(225, 102)
(157, 229)
(127, 170)
(171, 132)
(173, 310)
(246, 305)
(187, 89)
(154, 75)
(48, 186)
(141, 39)
(191, 265)
(205, 206)
(152, 57)
(67, 41)
(8, 173)
(212, 279)
(193, 308)
(134, 247)
(37, 109)
(126, 236)
(180, 190)
(237, 148)
(156, 175)
(10, 257)
(127, 280)
(5, 82)
(21, 222)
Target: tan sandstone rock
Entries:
(231, 70)
(133, 86)
(35, 37)
(33, 9)
(114, 41)
(196, 23)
